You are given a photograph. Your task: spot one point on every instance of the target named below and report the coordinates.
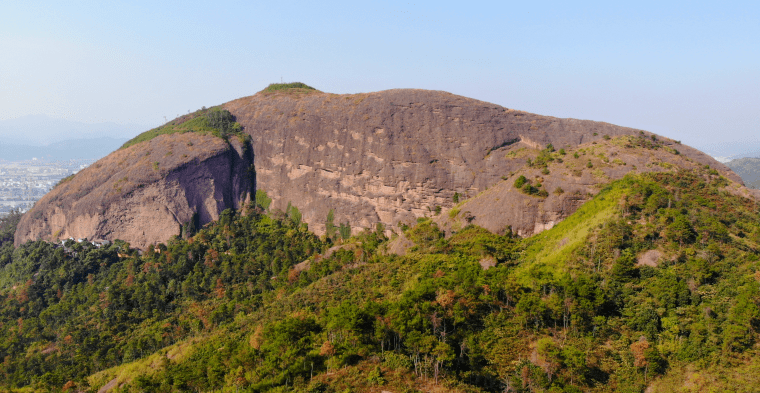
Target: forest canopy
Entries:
(663, 285)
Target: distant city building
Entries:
(22, 183)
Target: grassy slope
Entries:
(548, 251)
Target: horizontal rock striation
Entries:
(395, 155)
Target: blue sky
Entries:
(686, 70)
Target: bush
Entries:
(396, 361)
(520, 181)
(262, 199)
(528, 189)
(375, 377)
(285, 86)
(216, 121)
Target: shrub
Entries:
(375, 377)
(262, 199)
(396, 361)
(528, 189)
(216, 121)
(520, 181)
(285, 86)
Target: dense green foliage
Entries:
(7, 230)
(68, 312)
(215, 121)
(656, 276)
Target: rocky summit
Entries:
(387, 157)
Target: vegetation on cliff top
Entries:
(657, 287)
(273, 87)
(215, 121)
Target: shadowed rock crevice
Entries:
(145, 193)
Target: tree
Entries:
(262, 199)
(330, 225)
(551, 355)
(575, 362)
(680, 230)
(345, 230)
(293, 214)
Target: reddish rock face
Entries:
(384, 157)
(395, 155)
(143, 194)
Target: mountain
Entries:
(749, 170)
(144, 194)
(386, 158)
(651, 285)
(93, 149)
(508, 252)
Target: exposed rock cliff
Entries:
(384, 157)
(394, 155)
(144, 194)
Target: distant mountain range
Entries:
(40, 130)
(748, 169)
(725, 151)
(86, 149)
(43, 137)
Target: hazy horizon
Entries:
(687, 71)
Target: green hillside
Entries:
(653, 283)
